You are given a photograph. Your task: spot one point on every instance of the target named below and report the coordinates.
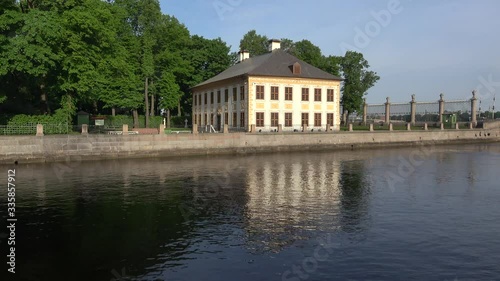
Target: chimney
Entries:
(243, 55)
(274, 44)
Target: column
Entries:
(473, 110)
(365, 111)
(441, 108)
(387, 111)
(39, 130)
(85, 129)
(413, 104)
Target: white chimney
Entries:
(274, 44)
(244, 54)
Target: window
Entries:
(195, 99)
(226, 118)
(242, 93)
(259, 92)
(212, 98)
(226, 95)
(242, 119)
(288, 119)
(288, 93)
(235, 121)
(317, 94)
(274, 119)
(305, 119)
(235, 95)
(206, 96)
(297, 69)
(317, 119)
(259, 116)
(199, 99)
(329, 119)
(206, 119)
(329, 95)
(212, 121)
(275, 93)
(305, 94)
(218, 96)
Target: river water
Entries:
(428, 213)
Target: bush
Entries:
(119, 120)
(154, 121)
(178, 121)
(25, 124)
(23, 119)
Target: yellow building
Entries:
(272, 92)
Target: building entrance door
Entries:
(219, 121)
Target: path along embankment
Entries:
(93, 147)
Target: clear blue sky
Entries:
(421, 47)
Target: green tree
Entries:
(30, 45)
(254, 43)
(149, 21)
(144, 45)
(308, 52)
(121, 84)
(287, 45)
(209, 58)
(305, 50)
(357, 80)
(176, 59)
(331, 64)
(6, 5)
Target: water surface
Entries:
(394, 214)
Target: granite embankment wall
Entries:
(92, 147)
(491, 125)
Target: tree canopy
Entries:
(254, 43)
(96, 56)
(357, 80)
(126, 55)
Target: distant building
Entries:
(269, 91)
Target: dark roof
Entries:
(277, 63)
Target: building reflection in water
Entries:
(171, 209)
(286, 201)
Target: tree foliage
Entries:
(61, 56)
(357, 80)
(94, 55)
(254, 43)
